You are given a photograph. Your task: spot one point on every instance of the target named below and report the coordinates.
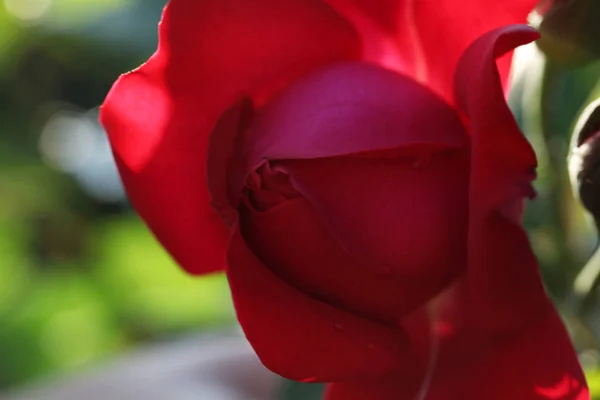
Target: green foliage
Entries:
(62, 323)
(149, 290)
(80, 280)
(593, 378)
(73, 294)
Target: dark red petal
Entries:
(430, 35)
(409, 381)
(351, 108)
(400, 386)
(292, 241)
(503, 164)
(507, 314)
(402, 217)
(222, 158)
(465, 362)
(159, 116)
(537, 362)
(300, 337)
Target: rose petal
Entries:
(447, 27)
(159, 116)
(510, 319)
(498, 317)
(351, 108)
(402, 217)
(373, 207)
(377, 23)
(222, 158)
(295, 244)
(503, 164)
(536, 362)
(430, 35)
(300, 337)
(402, 385)
(407, 382)
(465, 362)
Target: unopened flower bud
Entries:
(584, 160)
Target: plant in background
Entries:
(569, 30)
(584, 173)
(584, 159)
(359, 166)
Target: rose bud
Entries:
(584, 159)
(355, 169)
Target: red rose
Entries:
(371, 212)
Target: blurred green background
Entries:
(81, 278)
